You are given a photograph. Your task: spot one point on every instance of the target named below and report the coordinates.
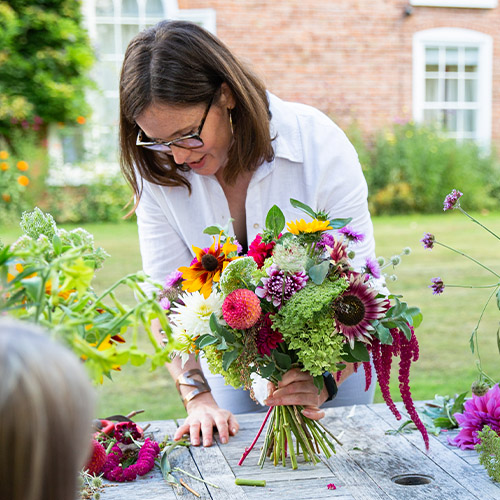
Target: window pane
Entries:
(104, 8)
(106, 75)
(470, 120)
(154, 8)
(470, 90)
(128, 32)
(73, 146)
(105, 39)
(451, 60)
(431, 59)
(431, 89)
(130, 8)
(450, 120)
(471, 59)
(432, 116)
(106, 113)
(451, 90)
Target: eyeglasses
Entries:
(189, 141)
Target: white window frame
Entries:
(465, 4)
(67, 173)
(456, 37)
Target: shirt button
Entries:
(256, 225)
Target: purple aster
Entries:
(428, 240)
(478, 412)
(279, 287)
(372, 267)
(437, 286)
(326, 240)
(165, 303)
(172, 279)
(351, 235)
(451, 201)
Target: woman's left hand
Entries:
(297, 388)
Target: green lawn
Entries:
(446, 365)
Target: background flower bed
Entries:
(443, 336)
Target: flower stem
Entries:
(178, 469)
(468, 257)
(477, 222)
(249, 449)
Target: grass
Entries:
(446, 364)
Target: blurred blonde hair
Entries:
(46, 410)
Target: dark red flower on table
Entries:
(267, 338)
(126, 432)
(259, 250)
(97, 460)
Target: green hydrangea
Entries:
(36, 223)
(489, 452)
(232, 376)
(238, 274)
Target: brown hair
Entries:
(180, 63)
(46, 411)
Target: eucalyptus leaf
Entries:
(205, 340)
(275, 220)
(302, 206)
(318, 272)
(340, 223)
(228, 357)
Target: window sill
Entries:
(465, 4)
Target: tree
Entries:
(45, 57)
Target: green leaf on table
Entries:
(340, 223)
(318, 272)
(228, 357)
(275, 220)
(458, 404)
(282, 360)
(302, 206)
(358, 353)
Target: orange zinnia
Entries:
(4, 155)
(81, 120)
(23, 180)
(207, 267)
(22, 165)
(6, 197)
(4, 166)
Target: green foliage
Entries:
(411, 168)
(45, 56)
(439, 413)
(46, 278)
(489, 452)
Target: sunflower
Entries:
(356, 308)
(301, 226)
(207, 267)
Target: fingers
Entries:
(234, 426)
(313, 412)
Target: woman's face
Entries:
(165, 122)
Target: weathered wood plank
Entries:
(462, 465)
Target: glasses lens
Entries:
(188, 143)
(161, 148)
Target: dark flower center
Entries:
(350, 310)
(209, 262)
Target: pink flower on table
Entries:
(478, 412)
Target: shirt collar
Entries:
(285, 128)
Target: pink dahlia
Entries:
(267, 338)
(279, 287)
(241, 309)
(357, 308)
(478, 412)
(260, 251)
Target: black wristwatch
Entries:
(330, 385)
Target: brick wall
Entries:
(350, 58)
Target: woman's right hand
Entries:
(204, 415)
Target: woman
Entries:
(203, 143)
(46, 411)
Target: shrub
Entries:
(411, 168)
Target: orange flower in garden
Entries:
(6, 197)
(3, 155)
(207, 267)
(22, 165)
(81, 120)
(4, 166)
(23, 180)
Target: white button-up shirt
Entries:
(314, 163)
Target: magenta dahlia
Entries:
(267, 338)
(260, 251)
(241, 309)
(279, 287)
(357, 307)
(478, 412)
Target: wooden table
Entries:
(370, 465)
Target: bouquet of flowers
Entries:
(46, 278)
(294, 301)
